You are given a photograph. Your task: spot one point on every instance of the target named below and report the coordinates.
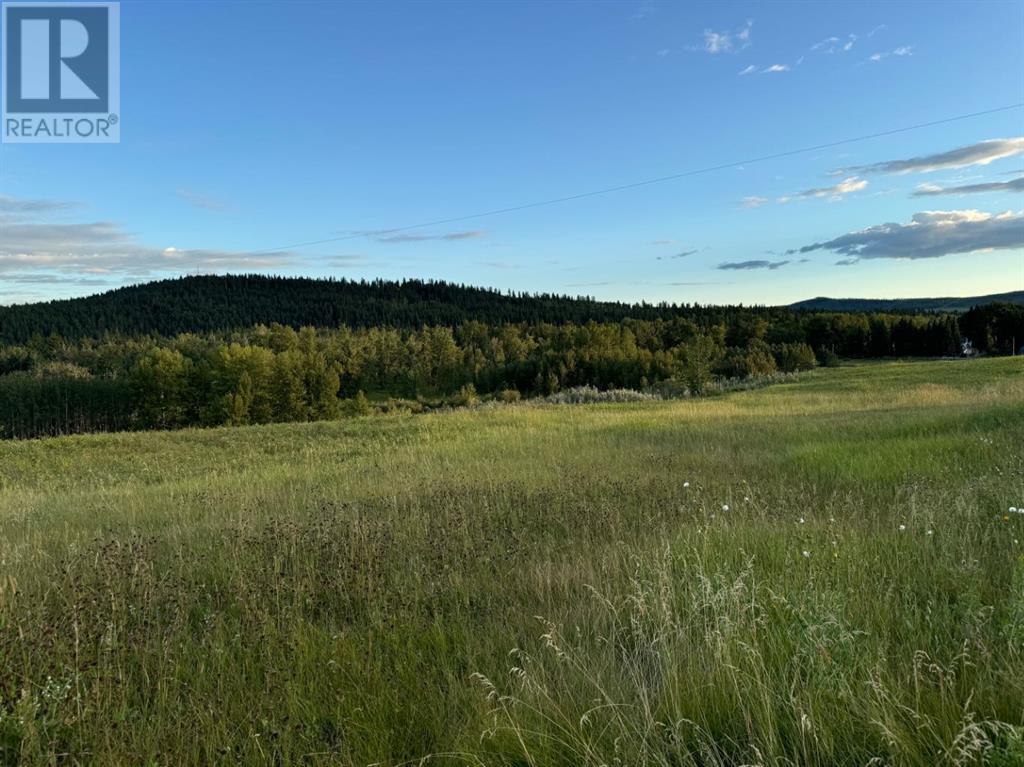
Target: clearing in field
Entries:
(826, 572)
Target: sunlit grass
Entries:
(350, 592)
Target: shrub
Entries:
(754, 360)
(794, 357)
(585, 395)
(359, 405)
(509, 395)
(827, 358)
(467, 396)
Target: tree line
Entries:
(268, 373)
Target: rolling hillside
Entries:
(211, 303)
(200, 304)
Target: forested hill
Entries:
(954, 304)
(209, 303)
(212, 303)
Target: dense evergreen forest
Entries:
(201, 304)
(948, 304)
(112, 369)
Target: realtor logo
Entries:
(61, 72)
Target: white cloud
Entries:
(31, 244)
(836, 191)
(748, 70)
(903, 50)
(744, 34)
(717, 42)
(754, 201)
(726, 41)
(929, 190)
(981, 153)
(390, 236)
(16, 205)
(777, 68)
(930, 234)
(835, 44)
(833, 193)
(757, 264)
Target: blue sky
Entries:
(251, 126)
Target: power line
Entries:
(637, 184)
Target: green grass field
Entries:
(823, 573)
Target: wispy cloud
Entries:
(931, 190)
(31, 278)
(681, 254)
(726, 41)
(389, 236)
(832, 193)
(755, 264)
(981, 153)
(903, 50)
(752, 69)
(835, 44)
(929, 234)
(10, 204)
(56, 250)
(828, 45)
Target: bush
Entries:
(794, 357)
(509, 395)
(359, 405)
(827, 358)
(467, 397)
(586, 395)
(754, 360)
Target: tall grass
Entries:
(532, 586)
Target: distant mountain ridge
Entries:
(950, 304)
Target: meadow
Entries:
(821, 572)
